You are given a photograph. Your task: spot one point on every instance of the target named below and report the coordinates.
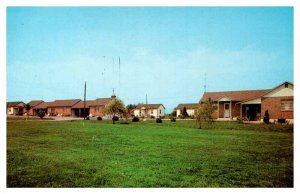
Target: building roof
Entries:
(42, 105)
(59, 103)
(233, 95)
(149, 106)
(15, 104)
(188, 106)
(268, 91)
(89, 103)
(33, 103)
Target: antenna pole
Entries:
(205, 82)
(119, 72)
(84, 101)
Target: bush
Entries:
(173, 119)
(158, 120)
(99, 118)
(267, 117)
(87, 118)
(41, 114)
(115, 118)
(152, 117)
(135, 119)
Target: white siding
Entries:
(136, 112)
(281, 91)
(177, 112)
(161, 111)
(190, 112)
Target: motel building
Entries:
(252, 104)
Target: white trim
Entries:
(224, 99)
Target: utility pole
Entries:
(146, 106)
(84, 101)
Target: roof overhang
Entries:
(253, 101)
(224, 99)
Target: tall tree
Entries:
(204, 113)
(130, 108)
(27, 108)
(115, 107)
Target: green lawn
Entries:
(146, 154)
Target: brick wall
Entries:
(273, 105)
(97, 112)
(64, 111)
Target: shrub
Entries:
(135, 119)
(41, 113)
(99, 118)
(87, 118)
(267, 117)
(158, 120)
(173, 119)
(115, 118)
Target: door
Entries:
(226, 110)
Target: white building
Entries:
(14, 108)
(190, 108)
(148, 110)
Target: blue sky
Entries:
(165, 51)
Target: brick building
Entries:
(92, 107)
(32, 104)
(252, 104)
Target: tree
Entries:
(184, 112)
(173, 113)
(27, 108)
(41, 113)
(115, 107)
(204, 113)
(130, 108)
(267, 117)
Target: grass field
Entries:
(146, 154)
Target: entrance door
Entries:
(226, 110)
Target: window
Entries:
(151, 111)
(97, 109)
(65, 109)
(159, 111)
(287, 105)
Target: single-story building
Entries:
(92, 107)
(41, 107)
(32, 104)
(190, 108)
(61, 107)
(252, 104)
(14, 108)
(148, 110)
